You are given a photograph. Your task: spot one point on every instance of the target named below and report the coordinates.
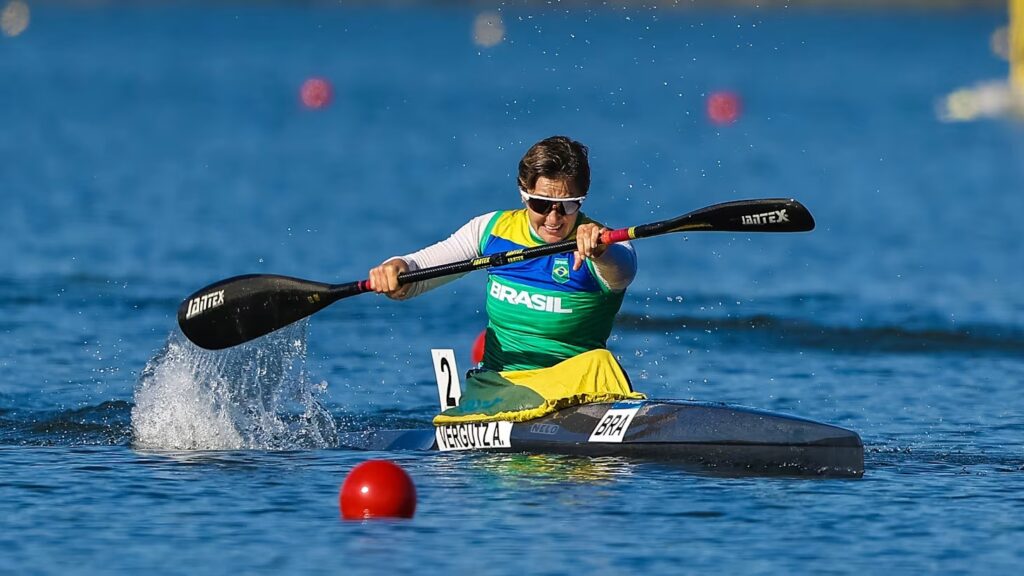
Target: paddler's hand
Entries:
(384, 279)
(587, 246)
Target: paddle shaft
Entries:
(239, 309)
(726, 217)
(499, 259)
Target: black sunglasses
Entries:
(543, 204)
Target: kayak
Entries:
(718, 436)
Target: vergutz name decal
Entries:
(474, 436)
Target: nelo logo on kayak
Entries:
(474, 435)
(548, 429)
(773, 217)
(203, 303)
(540, 302)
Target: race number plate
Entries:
(448, 388)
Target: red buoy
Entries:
(724, 107)
(316, 93)
(377, 489)
(477, 353)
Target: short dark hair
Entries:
(557, 158)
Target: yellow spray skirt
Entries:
(518, 396)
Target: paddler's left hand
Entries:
(587, 246)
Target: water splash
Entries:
(255, 396)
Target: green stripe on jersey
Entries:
(531, 327)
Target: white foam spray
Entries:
(254, 396)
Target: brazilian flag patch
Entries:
(560, 270)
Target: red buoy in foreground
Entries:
(377, 489)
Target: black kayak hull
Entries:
(725, 437)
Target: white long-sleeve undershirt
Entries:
(616, 268)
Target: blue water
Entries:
(148, 151)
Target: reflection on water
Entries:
(518, 469)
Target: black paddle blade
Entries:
(763, 215)
(239, 309)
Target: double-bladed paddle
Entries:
(242, 308)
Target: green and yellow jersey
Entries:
(540, 311)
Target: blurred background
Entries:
(150, 148)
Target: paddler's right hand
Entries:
(384, 279)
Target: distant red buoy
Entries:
(377, 489)
(476, 355)
(724, 107)
(316, 93)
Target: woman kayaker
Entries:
(545, 310)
